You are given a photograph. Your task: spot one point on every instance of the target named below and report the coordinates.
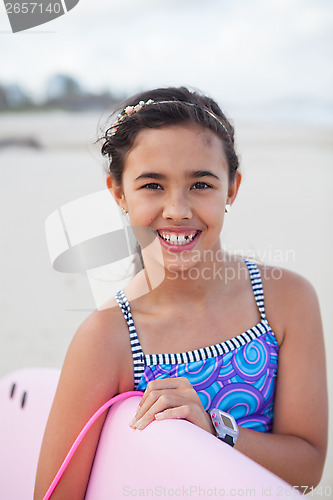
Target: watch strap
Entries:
(227, 439)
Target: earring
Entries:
(227, 208)
(123, 211)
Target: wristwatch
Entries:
(225, 426)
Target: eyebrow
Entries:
(203, 173)
(150, 175)
(196, 174)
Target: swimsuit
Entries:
(237, 376)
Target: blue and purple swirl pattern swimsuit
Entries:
(238, 375)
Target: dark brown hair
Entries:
(189, 108)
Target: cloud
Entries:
(238, 51)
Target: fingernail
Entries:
(139, 424)
(131, 424)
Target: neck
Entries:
(198, 283)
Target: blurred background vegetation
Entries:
(61, 91)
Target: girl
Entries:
(173, 169)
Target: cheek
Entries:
(141, 212)
(214, 220)
(213, 211)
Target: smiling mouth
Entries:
(178, 239)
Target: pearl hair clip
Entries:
(130, 110)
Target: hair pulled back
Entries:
(189, 108)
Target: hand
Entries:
(171, 398)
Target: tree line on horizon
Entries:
(61, 92)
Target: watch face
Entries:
(227, 421)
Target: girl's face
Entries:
(176, 183)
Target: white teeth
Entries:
(178, 239)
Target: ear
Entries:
(116, 191)
(233, 188)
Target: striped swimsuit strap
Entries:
(137, 353)
(257, 287)
(140, 360)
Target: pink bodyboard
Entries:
(25, 401)
(171, 458)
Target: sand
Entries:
(283, 215)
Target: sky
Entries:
(246, 53)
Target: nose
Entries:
(177, 207)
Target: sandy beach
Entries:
(283, 216)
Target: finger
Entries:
(176, 395)
(179, 412)
(190, 414)
(179, 392)
(159, 406)
(163, 383)
(167, 400)
(150, 399)
(156, 401)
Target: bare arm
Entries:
(296, 449)
(88, 379)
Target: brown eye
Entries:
(201, 185)
(152, 185)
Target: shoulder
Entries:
(99, 344)
(100, 325)
(285, 283)
(290, 300)
(93, 371)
